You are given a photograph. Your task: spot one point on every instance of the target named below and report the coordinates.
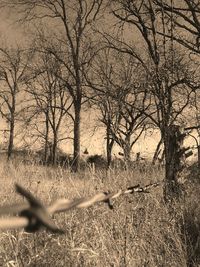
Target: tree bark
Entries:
(46, 139)
(109, 145)
(198, 151)
(127, 150)
(11, 137)
(54, 148)
(77, 119)
(157, 151)
(174, 154)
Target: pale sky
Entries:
(10, 31)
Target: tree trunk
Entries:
(109, 152)
(46, 145)
(127, 149)
(174, 152)
(198, 151)
(157, 152)
(76, 159)
(127, 152)
(54, 148)
(11, 137)
(109, 145)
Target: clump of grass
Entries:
(140, 231)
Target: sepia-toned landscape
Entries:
(100, 133)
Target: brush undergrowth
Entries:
(140, 231)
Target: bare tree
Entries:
(14, 64)
(184, 16)
(73, 21)
(51, 102)
(169, 76)
(119, 98)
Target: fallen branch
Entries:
(33, 215)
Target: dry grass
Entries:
(140, 231)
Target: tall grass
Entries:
(140, 231)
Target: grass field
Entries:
(140, 231)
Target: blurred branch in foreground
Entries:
(33, 215)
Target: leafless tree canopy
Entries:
(135, 63)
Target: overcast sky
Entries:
(10, 32)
